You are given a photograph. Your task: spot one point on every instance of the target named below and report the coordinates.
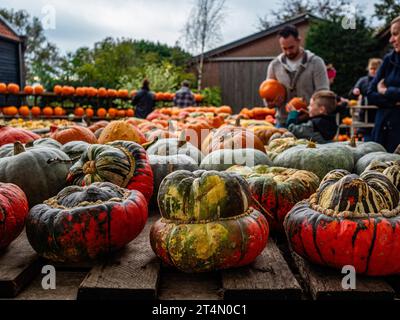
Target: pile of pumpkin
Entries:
(219, 197)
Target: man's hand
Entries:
(382, 87)
(356, 92)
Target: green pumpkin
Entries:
(360, 149)
(223, 159)
(390, 169)
(39, 171)
(7, 150)
(366, 160)
(207, 222)
(279, 145)
(319, 159)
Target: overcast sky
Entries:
(83, 22)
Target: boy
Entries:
(319, 124)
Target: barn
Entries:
(239, 67)
(11, 56)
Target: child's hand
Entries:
(290, 108)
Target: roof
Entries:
(8, 31)
(295, 20)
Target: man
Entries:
(184, 97)
(300, 71)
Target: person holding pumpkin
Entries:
(301, 72)
(319, 125)
(144, 101)
(384, 92)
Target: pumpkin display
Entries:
(231, 137)
(319, 159)
(221, 160)
(75, 149)
(366, 160)
(11, 135)
(273, 92)
(86, 223)
(162, 166)
(278, 189)
(74, 133)
(351, 220)
(207, 222)
(123, 163)
(13, 211)
(173, 146)
(39, 171)
(121, 130)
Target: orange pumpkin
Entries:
(102, 92)
(48, 111)
(112, 112)
(273, 92)
(57, 89)
(133, 93)
(196, 131)
(38, 89)
(3, 88)
(347, 121)
(297, 103)
(59, 111)
(79, 112)
(123, 93)
(98, 125)
(130, 112)
(89, 112)
(10, 111)
(224, 109)
(74, 133)
(91, 92)
(80, 92)
(28, 90)
(121, 113)
(112, 93)
(13, 88)
(24, 111)
(121, 130)
(36, 111)
(101, 112)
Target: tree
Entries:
(347, 49)
(290, 8)
(42, 58)
(203, 29)
(387, 10)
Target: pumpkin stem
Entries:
(311, 144)
(18, 148)
(29, 144)
(264, 211)
(397, 151)
(353, 142)
(238, 120)
(182, 139)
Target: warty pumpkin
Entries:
(121, 130)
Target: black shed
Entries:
(11, 56)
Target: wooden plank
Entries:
(131, 274)
(269, 277)
(67, 284)
(19, 264)
(177, 285)
(326, 284)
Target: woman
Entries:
(360, 90)
(384, 92)
(144, 101)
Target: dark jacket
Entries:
(387, 121)
(144, 101)
(321, 129)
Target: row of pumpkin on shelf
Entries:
(197, 207)
(91, 92)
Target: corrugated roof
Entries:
(7, 31)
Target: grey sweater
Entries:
(310, 77)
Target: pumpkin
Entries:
(36, 111)
(99, 124)
(319, 159)
(13, 211)
(278, 189)
(298, 103)
(13, 88)
(207, 222)
(196, 131)
(366, 160)
(86, 223)
(264, 133)
(360, 149)
(278, 144)
(38, 89)
(11, 135)
(390, 169)
(351, 220)
(39, 171)
(3, 88)
(273, 92)
(24, 111)
(221, 160)
(173, 146)
(48, 111)
(28, 90)
(123, 163)
(102, 92)
(57, 90)
(79, 112)
(121, 130)
(59, 111)
(7, 150)
(75, 149)
(101, 112)
(164, 165)
(231, 137)
(74, 133)
(10, 111)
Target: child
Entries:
(319, 125)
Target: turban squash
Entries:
(278, 189)
(207, 222)
(123, 163)
(86, 223)
(351, 220)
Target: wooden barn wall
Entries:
(9, 67)
(239, 81)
